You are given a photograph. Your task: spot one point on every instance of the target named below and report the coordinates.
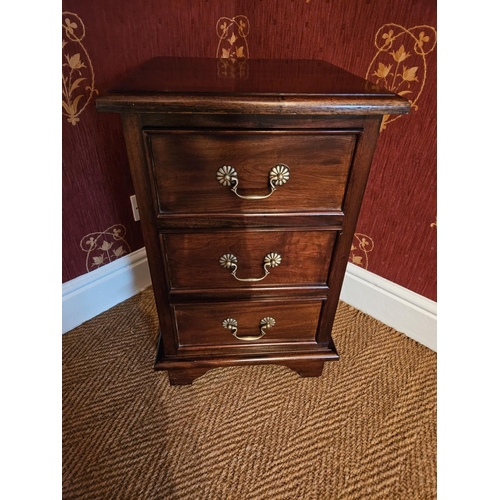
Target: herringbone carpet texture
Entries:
(366, 429)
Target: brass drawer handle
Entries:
(232, 324)
(229, 261)
(278, 175)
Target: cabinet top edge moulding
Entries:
(257, 86)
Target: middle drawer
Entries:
(250, 258)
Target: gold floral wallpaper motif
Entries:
(232, 50)
(361, 246)
(77, 70)
(395, 45)
(104, 247)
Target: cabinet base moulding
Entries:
(185, 371)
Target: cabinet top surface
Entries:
(169, 81)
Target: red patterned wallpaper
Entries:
(393, 43)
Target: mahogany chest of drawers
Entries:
(249, 177)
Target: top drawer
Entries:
(233, 171)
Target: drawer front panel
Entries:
(247, 323)
(256, 258)
(185, 166)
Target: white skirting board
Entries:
(95, 292)
(396, 306)
(404, 310)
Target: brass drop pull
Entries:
(229, 261)
(278, 175)
(232, 324)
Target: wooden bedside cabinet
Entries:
(249, 190)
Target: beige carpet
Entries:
(366, 429)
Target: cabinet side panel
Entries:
(132, 126)
(357, 181)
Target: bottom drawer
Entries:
(247, 323)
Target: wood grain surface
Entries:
(193, 258)
(201, 324)
(185, 164)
